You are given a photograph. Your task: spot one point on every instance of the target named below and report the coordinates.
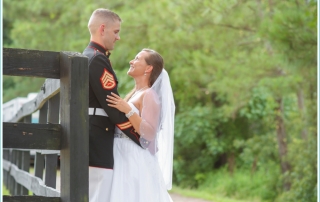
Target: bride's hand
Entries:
(117, 102)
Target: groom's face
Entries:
(111, 34)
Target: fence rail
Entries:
(62, 129)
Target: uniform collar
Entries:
(99, 48)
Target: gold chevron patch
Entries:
(124, 126)
(107, 80)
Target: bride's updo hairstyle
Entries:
(154, 59)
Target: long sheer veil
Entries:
(157, 126)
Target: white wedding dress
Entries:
(137, 176)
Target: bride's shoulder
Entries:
(150, 95)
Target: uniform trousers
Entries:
(100, 181)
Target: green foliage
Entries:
(244, 184)
(195, 145)
(15, 86)
(304, 172)
(7, 26)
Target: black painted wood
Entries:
(34, 63)
(5, 172)
(74, 103)
(30, 199)
(71, 136)
(43, 113)
(9, 177)
(51, 159)
(31, 136)
(39, 165)
(27, 119)
(53, 109)
(39, 158)
(24, 163)
(12, 181)
(18, 162)
(51, 170)
(25, 166)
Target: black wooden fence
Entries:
(62, 129)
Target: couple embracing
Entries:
(130, 139)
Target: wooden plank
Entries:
(39, 165)
(53, 109)
(8, 169)
(39, 158)
(32, 183)
(51, 160)
(25, 166)
(5, 169)
(51, 170)
(50, 88)
(74, 99)
(13, 183)
(31, 136)
(30, 199)
(34, 63)
(6, 165)
(18, 163)
(49, 152)
(27, 119)
(43, 112)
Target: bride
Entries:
(144, 174)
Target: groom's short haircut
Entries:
(102, 16)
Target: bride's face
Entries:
(138, 65)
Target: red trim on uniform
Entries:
(125, 125)
(107, 80)
(134, 133)
(99, 45)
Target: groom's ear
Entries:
(149, 68)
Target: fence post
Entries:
(74, 93)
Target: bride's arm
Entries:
(147, 124)
(118, 103)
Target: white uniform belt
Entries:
(121, 135)
(97, 111)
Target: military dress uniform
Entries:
(102, 122)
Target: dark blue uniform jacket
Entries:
(103, 81)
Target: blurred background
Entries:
(243, 73)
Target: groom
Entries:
(104, 26)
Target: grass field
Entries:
(221, 187)
(205, 195)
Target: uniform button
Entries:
(135, 131)
(107, 129)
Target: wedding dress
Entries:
(136, 176)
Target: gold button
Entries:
(135, 131)
(107, 129)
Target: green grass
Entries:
(201, 194)
(5, 191)
(242, 186)
(260, 186)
